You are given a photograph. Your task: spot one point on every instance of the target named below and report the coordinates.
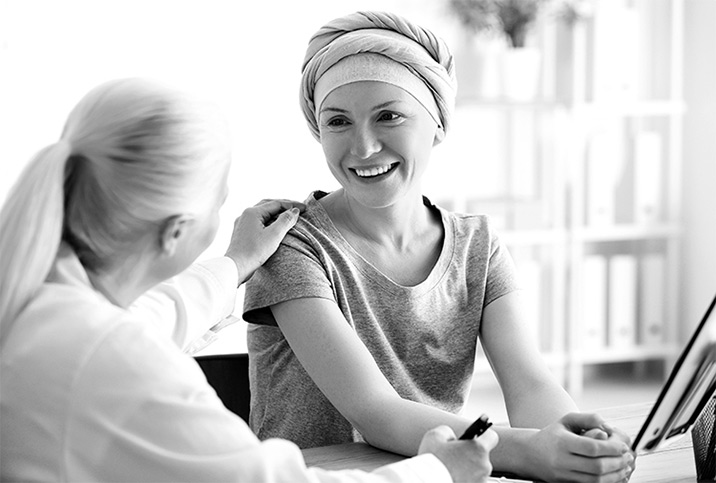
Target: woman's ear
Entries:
(173, 230)
(439, 135)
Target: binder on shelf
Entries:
(604, 164)
(622, 301)
(651, 299)
(647, 177)
(594, 303)
(523, 154)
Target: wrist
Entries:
(242, 273)
(514, 452)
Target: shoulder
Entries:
(313, 234)
(470, 227)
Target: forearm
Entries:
(538, 405)
(398, 425)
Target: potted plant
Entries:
(510, 21)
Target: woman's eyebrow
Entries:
(386, 104)
(380, 106)
(332, 109)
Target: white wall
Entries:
(699, 182)
(245, 55)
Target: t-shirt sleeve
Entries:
(298, 269)
(501, 271)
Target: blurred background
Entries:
(586, 129)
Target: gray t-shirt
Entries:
(423, 337)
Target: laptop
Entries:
(690, 386)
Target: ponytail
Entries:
(133, 152)
(30, 231)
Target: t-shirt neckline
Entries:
(436, 273)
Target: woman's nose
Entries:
(365, 143)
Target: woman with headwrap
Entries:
(94, 385)
(365, 323)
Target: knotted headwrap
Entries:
(409, 47)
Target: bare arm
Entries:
(535, 399)
(533, 396)
(344, 370)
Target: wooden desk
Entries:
(673, 464)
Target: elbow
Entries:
(380, 424)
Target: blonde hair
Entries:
(132, 153)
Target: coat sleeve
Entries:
(188, 305)
(143, 411)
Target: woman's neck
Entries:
(403, 241)
(123, 284)
(396, 225)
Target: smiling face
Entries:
(377, 141)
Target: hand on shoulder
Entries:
(258, 233)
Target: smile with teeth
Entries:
(374, 171)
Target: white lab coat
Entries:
(91, 392)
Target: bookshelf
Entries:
(584, 183)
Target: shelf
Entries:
(554, 360)
(628, 354)
(598, 143)
(534, 237)
(508, 105)
(635, 108)
(625, 108)
(626, 233)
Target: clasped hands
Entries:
(581, 447)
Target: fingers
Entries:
(604, 465)
(441, 434)
(596, 433)
(268, 209)
(595, 428)
(435, 439)
(284, 222)
(488, 440)
(618, 434)
(593, 448)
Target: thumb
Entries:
(596, 433)
(442, 433)
(284, 222)
(578, 422)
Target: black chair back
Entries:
(228, 374)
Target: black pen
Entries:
(477, 428)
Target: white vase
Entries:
(478, 68)
(488, 82)
(520, 73)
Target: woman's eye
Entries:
(336, 122)
(389, 116)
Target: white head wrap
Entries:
(391, 50)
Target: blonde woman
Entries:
(98, 296)
(370, 312)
